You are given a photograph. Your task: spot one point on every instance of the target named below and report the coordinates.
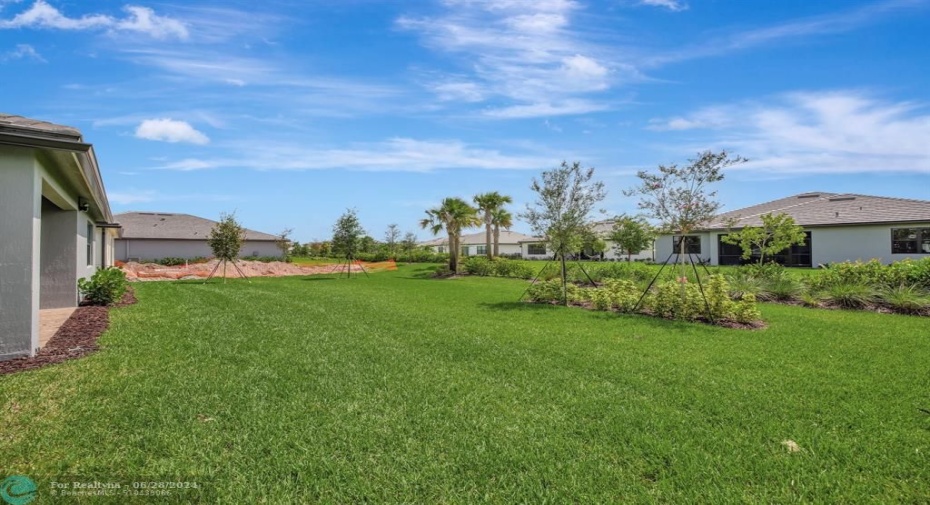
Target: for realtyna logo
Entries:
(17, 490)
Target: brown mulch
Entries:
(76, 338)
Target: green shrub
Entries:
(905, 299)
(623, 293)
(443, 271)
(745, 310)
(911, 272)
(515, 269)
(106, 287)
(478, 265)
(719, 303)
(263, 259)
(667, 301)
(551, 291)
(871, 273)
(601, 299)
(851, 295)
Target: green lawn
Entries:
(399, 388)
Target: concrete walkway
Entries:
(49, 322)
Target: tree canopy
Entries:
(631, 235)
(226, 237)
(453, 215)
(777, 233)
(347, 234)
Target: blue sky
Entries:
(288, 112)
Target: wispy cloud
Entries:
(397, 154)
(672, 5)
(833, 23)
(22, 51)
(170, 130)
(525, 52)
(137, 19)
(824, 132)
(132, 196)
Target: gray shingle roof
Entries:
(163, 225)
(507, 237)
(831, 209)
(11, 122)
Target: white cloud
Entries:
(545, 109)
(525, 52)
(672, 5)
(823, 132)
(138, 19)
(144, 20)
(397, 154)
(169, 130)
(22, 51)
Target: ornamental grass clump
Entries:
(906, 299)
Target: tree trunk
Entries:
(487, 235)
(453, 253)
(497, 240)
(564, 279)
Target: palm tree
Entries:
(500, 218)
(488, 203)
(453, 215)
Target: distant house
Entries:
(839, 226)
(475, 244)
(56, 225)
(535, 247)
(157, 235)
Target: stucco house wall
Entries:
(665, 243)
(837, 244)
(142, 249)
(51, 200)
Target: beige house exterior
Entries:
(56, 227)
(839, 226)
(475, 244)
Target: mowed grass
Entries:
(400, 388)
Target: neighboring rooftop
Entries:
(162, 225)
(507, 237)
(11, 123)
(830, 209)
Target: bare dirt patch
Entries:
(152, 272)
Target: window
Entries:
(910, 241)
(464, 250)
(794, 256)
(90, 244)
(536, 249)
(481, 250)
(692, 244)
(440, 249)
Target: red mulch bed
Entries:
(76, 338)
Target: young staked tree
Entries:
(631, 235)
(226, 240)
(283, 241)
(500, 218)
(453, 215)
(681, 198)
(488, 204)
(777, 233)
(347, 235)
(566, 196)
(391, 239)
